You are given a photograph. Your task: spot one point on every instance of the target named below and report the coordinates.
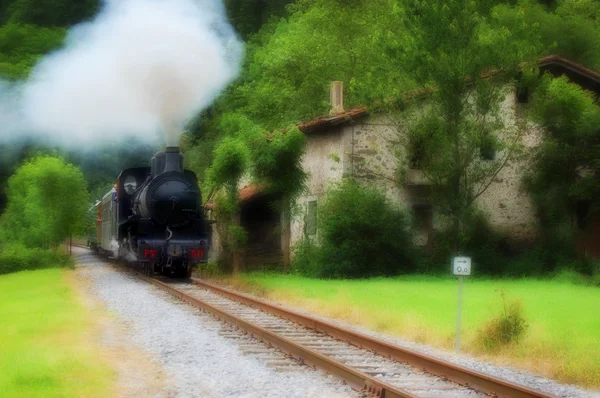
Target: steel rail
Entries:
(355, 379)
(458, 374)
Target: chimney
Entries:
(336, 98)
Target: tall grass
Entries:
(45, 350)
(560, 340)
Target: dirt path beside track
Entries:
(136, 374)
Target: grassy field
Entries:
(562, 339)
(45, 348)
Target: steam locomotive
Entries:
(153, 218)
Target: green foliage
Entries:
(306, 260)
(361, 234)
(569, 30)
(21, 46)
(30, 29)
(198, 154)
(248, 16)
(291, 64)
(276, 161)
(508, 327)
(48, 12)
(237, 237)
(209, 269)
(477, 239)
(229, 164)
(16, 257)
(566, 164)
(47, 202)
(566, 275)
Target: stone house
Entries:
(354, 143)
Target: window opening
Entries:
(487, 149)
(417, 152)
(424, 217)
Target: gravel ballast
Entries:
(196, 359)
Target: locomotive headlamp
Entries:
(130, 184)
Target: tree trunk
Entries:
(457, 234)
(238, 261)
(238, 253)
(287, 235)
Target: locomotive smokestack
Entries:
(169, 160)
(173, 159)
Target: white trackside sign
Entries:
(461, 266)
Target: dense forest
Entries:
(294, 49)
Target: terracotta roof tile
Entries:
(332, 120)
(556, 60)
(248, 192)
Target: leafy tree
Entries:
(248, 16)
(48, 12)
(271, 159)
(570, 29)
(47, 202)
(21, 46)
(566, 165)
(588, 9)
(457, 48)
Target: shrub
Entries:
(595, 279)
(508, 327)
(16, 257)
(360, 234)
(568, 275)
(305, 261)
(489, 249)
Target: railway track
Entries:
(374, 367)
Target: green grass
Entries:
(45, 344)
(562, 340)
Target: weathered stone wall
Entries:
(371, 157)
(324, 162)
(216, 249)
(508, 207)
(367, 151)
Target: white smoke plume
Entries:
(140, 68)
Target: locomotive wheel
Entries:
(145, 268)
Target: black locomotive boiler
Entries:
(153, 217)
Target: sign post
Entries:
(461, 266)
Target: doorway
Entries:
(261, 219)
